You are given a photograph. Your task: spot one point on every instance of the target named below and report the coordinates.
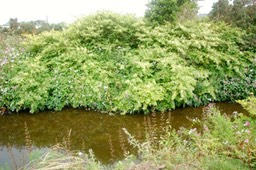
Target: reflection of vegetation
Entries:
(117, 63)
(219, 143)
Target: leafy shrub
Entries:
(249, 104)
(218, 143)
(116, 63)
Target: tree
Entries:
(14, 25)
(251, 12)
(31, 27)
(188, 11)
(27, 28)
(58, 27)
(241, 13)
(221, 11)
(162, 11)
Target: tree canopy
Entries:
(30, 27)
(241, 13)
(162, 11)
(221, 10)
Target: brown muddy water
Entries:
(86, 130)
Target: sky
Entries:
(56, 11)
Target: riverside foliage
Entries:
(118, 63)
(218, 142)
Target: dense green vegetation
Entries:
(249, 104)
(118, 63)
(164, 11)
(122, 64)
(239, 13)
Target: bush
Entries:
(219, 142)
(116, 63)
(249, 105)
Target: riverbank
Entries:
(217, 142)
(104, 135)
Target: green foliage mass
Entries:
(249, 104)
(162, 11)
(242, 14)
(219, 142)
(116, 63)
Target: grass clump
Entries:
(220, 142)
(58, 158)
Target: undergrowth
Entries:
(249, 104)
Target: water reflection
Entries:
(89, 130)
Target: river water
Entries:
(82, 130)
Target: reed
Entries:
(123, 142)
(27, 138)
(139, 131)
(162, 120)
(67, 140)
(111, 147)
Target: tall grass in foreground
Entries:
(218, 142)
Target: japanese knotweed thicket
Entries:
(117, 63)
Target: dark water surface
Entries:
(87, 129)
